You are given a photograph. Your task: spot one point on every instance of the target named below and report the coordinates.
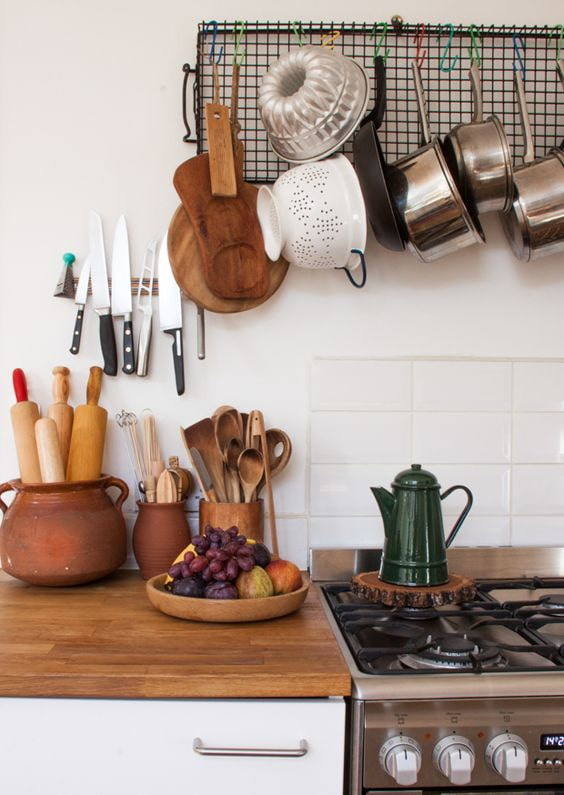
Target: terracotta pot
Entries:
(160, 532)
(247, 516)
(63, 533)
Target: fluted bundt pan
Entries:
(311, 100)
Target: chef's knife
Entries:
(170, 312)
(80, 300)
(101, 294)
(121, 292)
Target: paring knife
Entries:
(121, 292)
(202, 474)
(145, 305)
(170, 313)
(80, 300)
(101, 294)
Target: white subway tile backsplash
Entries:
(344, 532)
(538, 490)
(541, 531)
(344, 489)
(461, 386)
(360, 385)
(482, 531)
(455, 437)
(488, 483)
(360, 438)
(538, 438)
(538, 386)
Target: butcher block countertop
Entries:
(105, 640)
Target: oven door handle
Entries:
(207, 750)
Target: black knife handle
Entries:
(108, 343)
(178, 358)
(128, 349)
(77, 333)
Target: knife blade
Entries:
(170, 313)
(80, 298)
(121, 303)
(202, 474)
(101, 293)
(145, 305)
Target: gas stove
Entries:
(455, 697)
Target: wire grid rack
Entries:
(448, 94)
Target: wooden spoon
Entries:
(277, 458)
(251, 467)
(226, 426)
(231, 453)
(258, 435)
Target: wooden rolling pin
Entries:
(88, 433)
(61, 412)
(50, 458)
(24, 415)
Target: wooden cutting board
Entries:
(188, 269)
(228, 232)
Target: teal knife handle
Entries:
(128, 349)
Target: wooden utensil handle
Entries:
(94, 386)
(20, 385)
(61, 386)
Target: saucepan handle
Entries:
(122, 486)
(463, 515)
(421, 103)
(5, 487)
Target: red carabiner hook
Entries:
(418, 40)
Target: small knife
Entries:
(121, 292)
(101, 294)
(80, 299)
(170, 313)
(202, 474)
(145, 305)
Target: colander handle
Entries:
(362, 281)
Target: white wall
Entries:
(90, 118)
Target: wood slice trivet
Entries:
(459, 588)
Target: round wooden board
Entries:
(223, 610)
(188, 270)
(459, 588)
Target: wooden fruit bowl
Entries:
(223, 610)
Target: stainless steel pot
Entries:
(479, 157)
(426, 198)
(534, 225)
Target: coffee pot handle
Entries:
(464, 513)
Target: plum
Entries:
(188, 586)
(261, 554)
(220, 590)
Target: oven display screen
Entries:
(552, 742)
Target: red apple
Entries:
(285, 576)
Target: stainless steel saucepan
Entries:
(426, 197)
(534, 225)
(479, 157)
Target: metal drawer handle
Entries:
(200, 748)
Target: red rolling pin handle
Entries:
(20, 385)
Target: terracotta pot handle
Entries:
(4, 487)
(121, 485)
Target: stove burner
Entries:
(555, 600)
(449, 652)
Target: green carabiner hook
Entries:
(474, 49)
(298, 32)
(558, 31)
(381, 41)
(446, 51)
(238, 54)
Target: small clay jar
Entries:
(160, 532)
(247, 516)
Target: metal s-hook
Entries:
(329, 39)
(298, 32)
(558, 31)
(418, 41)
(519, 47)
(214, 25)
(474, 49)
(238, 54)
(446, 51)
(381, 41)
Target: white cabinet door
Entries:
(146, 747)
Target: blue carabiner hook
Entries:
(214, 25)
(381, 40)
(519, 47)
(446, 51)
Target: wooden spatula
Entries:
(220, 145)
(61, 412)
(201, 436)
(88, 433)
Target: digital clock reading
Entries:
(552, 742)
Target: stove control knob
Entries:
(507, 755)
(400, 757)
(454, 757)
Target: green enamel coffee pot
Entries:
(415, 546)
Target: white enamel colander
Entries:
(314, 216)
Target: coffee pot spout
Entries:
(386, 502)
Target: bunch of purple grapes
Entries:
(219, 556)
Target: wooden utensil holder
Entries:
(248, 517)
